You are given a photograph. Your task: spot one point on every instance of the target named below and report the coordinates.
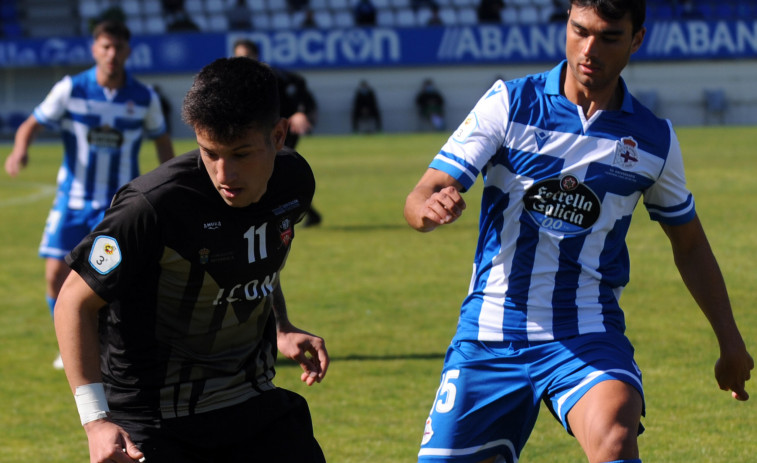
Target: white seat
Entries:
(277, 5)
(385, 18)
(344, 19)
(215, 6)
(338, 4)
(150, 7)
(193, 6)
(218, 23)
(155, 25)
(467, 16)
(406, 17)
(281, 20)
(509, 15)
(260, 20)
(528, 15)
(448, 16)
(323, 19)
(89, 8)
(131, 8)
(135, 24)
(201, 20)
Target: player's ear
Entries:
(279, 133)
(638, 39)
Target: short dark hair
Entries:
(616, 9)
(251, 46)
(115, 28)
(230, 96)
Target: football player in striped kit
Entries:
(565, 156)
(103, 114)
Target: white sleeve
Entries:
(155, 122)
(669, 200)
(51, 110)
(478, 138)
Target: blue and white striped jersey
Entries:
(559, 193)
(102, 132)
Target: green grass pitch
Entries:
(386, 298)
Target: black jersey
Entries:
(189, 280)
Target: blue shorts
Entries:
(490, 392)
(65, 228)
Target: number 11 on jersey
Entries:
(256, 236)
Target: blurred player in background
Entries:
(297, 105)
(565, 156)
(170, 322)
(103, 114)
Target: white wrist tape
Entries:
(91, 402)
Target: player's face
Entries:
(597, 49)
(110, 54)
(240, 170)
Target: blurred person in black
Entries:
(297, 105)
(365, 108)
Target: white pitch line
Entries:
(42, 191)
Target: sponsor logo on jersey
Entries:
(105, 254)
(250, 291)
(105, 137)
(212, 225)
(563, 205)
(466, 128)
(626, 153)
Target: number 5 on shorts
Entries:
(448, 390)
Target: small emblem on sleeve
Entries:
(428, 432)
(105, 254)
(466, 128)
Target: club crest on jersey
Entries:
(105, 254)
(466, 128)
(562, 205)
(626, 153)
(286, 231)
(204, 255)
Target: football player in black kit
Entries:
(170, 322)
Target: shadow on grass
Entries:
(372, 358)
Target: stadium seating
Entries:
(39, 18)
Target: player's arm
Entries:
(164, 148)
(434, 201)
(19, 156)
(296, 344)
(76, 319)
(701, 274)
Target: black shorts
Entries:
(275, 426)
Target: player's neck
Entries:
(593, 100)
(111, 81)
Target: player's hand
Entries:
(299, 124)
(443, 207)
(306, 349)
(733, 370)
(15, 162)
(108, 442)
